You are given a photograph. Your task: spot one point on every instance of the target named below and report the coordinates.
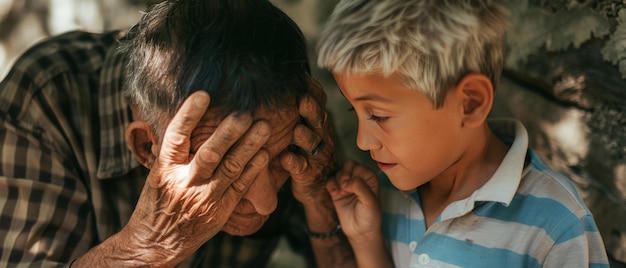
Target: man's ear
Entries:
(140, 140)
(477, 93)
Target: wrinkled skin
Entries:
(309, 172)
(192, 190)
(188, 197)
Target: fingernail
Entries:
(201, 99)
(345, 181)
(289, 159)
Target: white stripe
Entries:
(516, 237)
(545, 185)
(396, 203)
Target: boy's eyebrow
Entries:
(372, 97)
(367, 97)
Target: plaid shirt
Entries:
(67, 179)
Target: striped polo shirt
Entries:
(524, 216)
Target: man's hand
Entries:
(314, 158)
(189, 197)
(309, 167)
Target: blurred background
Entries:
(565, 79)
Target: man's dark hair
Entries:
(246, 54)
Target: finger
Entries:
(234, 162)
(368, 176)
(357, 186)
(316, 129)
(332, 188)
(240, 186)
(338, 195)
(313, 113)
(343, 177)
(305, 138)
(295, 165)
(176, 139)
(346, 170)
(317, 91)
(211, 152)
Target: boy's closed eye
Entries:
(377, 118)
(372, 116)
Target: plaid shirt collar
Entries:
(115, 115)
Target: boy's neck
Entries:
(481, 159)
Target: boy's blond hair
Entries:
(431, 44)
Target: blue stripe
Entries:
(385, 183)
(416, 198)
(590, 224)
(587, 225)
(536, 162)
(397, 227)
(544, 213)
(598, 265)
(466, 254)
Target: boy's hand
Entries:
(355, 196)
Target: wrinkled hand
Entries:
(355, 194)
(189, 197)
(314, 158)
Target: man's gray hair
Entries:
(430, 44)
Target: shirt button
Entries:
(423, 259)
(413, 245)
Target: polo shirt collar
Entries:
(503, 184)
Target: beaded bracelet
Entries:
(334, 231)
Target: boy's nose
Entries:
(365, 140)
(262, 193)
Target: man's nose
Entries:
(263, 193)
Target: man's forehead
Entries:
(275, 116)
(280, 119)
(282, 122)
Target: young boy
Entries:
(458, 190)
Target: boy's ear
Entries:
(141, 139)
(477, 93)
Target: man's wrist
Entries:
(313, 195)
(320, 216)
(333, 232)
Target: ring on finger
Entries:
(318, 148)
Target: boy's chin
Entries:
(402, 184)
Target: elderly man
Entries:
(170, 144)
